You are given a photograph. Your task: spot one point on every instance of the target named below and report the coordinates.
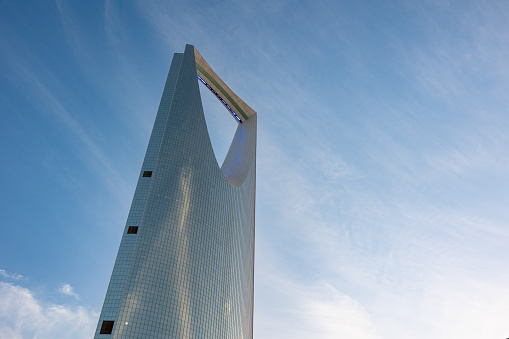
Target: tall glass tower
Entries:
(184, 268)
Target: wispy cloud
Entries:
(366, 225)
(45, 92)
(331, 314)
(15, 276)
(22, 315)
(68, 290)
(314, 310)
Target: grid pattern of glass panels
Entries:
(188, 271)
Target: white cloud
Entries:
(331, 314)
(68, 290)
(313, 311)
(23, 316)
(402, 262)
(5, 274)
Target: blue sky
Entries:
(382, 157)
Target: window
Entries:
(107, 327)
(132, 230)
(147, 174)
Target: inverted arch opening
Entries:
(220, 124)
(240, 157)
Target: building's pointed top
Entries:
(237, 107)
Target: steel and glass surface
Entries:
(184, 268)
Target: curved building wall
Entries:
(188, 271)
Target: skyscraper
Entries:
(185, 264)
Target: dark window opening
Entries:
(132, 230)
(107, 327)
(147, 174)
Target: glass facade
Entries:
(185, 264)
